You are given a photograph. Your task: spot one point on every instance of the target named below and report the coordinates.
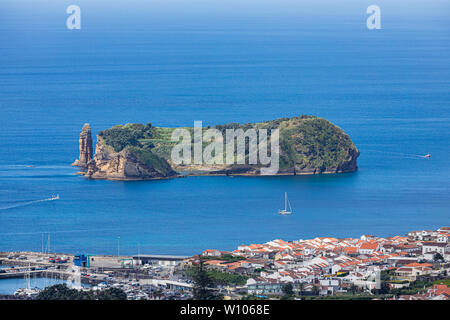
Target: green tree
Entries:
(384, 288)
(288, 291)
(204, 286)
(353, 289)
(62, 292)
(301, 287)
(438, 257)
(112, 294)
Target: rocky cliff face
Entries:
(123, 165)
(86, 150)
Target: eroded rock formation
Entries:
(86, 149)
(123, 165)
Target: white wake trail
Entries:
(23, 204)
(397, 153)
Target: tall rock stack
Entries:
(86, 150)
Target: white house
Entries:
(329, 286)
(444, 229)
(434, 247)
(211, 253)
(368, 247)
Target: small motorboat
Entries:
(55, 197)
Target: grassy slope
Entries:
(306, 142)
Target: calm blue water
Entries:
(388, 89)
(9, 286)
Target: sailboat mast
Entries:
(285, 201)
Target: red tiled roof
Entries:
(369, 246)
(350, 249)
(415, 264)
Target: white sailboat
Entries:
(28, 290)
(286, 203)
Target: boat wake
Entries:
(401, 154)
(28, 203)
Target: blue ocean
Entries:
(173, 62)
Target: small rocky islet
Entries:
(308, 145)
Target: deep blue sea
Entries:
(173, 62)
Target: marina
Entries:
(25, 274)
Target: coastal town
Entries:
(414, 266)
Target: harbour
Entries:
(25, 274)
(411, 266)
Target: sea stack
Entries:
(86, 150)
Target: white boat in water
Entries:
(286, 203)
(55, 197)
(28, 291)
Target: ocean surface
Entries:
(389, 89)
(9, 286)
